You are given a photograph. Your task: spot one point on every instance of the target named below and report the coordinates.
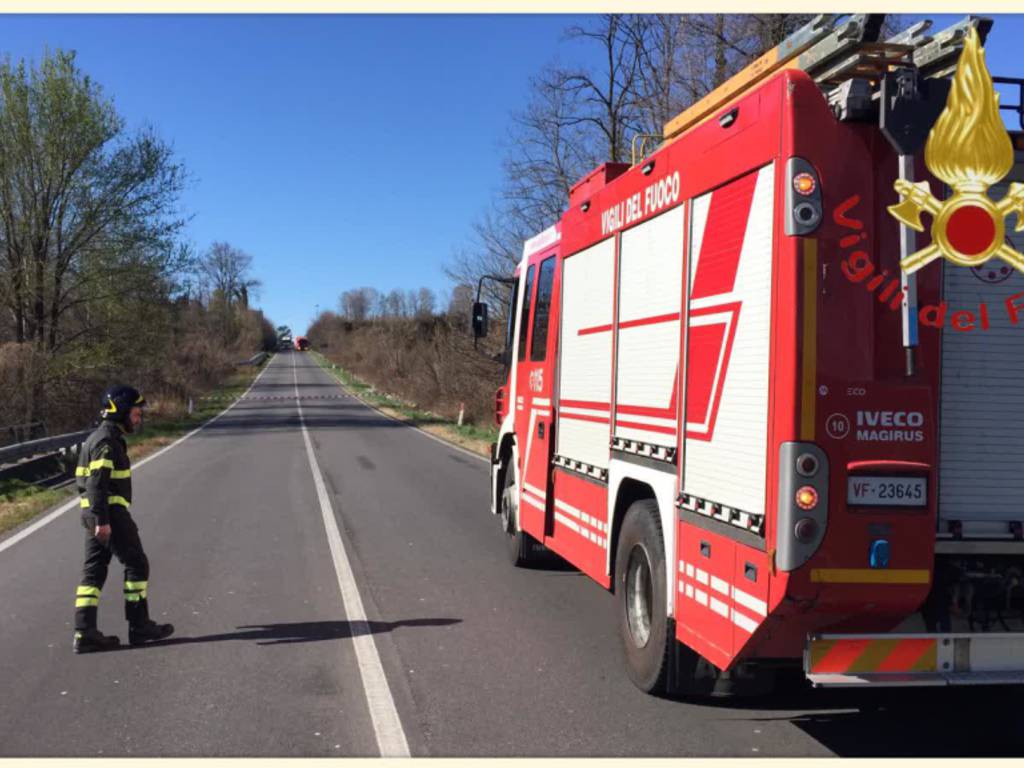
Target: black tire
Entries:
(519, 545)
(640, 595)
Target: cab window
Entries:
(524, 317)
(542, 314)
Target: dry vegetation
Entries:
(428, 362)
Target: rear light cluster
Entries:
(803, 198)
(803, 504)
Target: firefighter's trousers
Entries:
(125, 544)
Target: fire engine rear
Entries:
(728, 404)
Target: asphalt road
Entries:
(290, 645)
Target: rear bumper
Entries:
(904, 660)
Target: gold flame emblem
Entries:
(969, 149)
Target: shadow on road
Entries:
(943, 722)
(302, 632)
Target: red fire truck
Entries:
(726, 404)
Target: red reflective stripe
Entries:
(905, 655)
(653, 320)
(592, 405)
(842, 655)
(581, 417)
(650, 320)
(645, 427)
(643, 410)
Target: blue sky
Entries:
(338, 150)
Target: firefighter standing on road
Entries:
(104, 479)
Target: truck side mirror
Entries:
(479, 319)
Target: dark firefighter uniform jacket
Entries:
(104, 474)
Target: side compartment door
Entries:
(535, 367)
(722, 580)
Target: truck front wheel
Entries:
(519, 545)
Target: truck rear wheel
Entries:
(640, 594)
(519, 545)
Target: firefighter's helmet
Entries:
(118, 402)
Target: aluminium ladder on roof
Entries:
(833, 50)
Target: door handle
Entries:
(540, 430)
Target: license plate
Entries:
(879, 491)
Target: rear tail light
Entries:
(802, 504)
(807, 498)
(803, 198)
(804, 184)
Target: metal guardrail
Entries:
(43, 445)
(256, 359)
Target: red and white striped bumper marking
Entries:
(690, 577)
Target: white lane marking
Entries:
(386, 724)
(73, 503)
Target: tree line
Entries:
(96, 280)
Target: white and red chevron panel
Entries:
(585, 365)
(650, 295)
(728, 360)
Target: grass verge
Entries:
(472, 437)
(21, 501)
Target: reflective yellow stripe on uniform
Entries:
(118, 500)
(117, 474)
(135, 591)
(84, 503)
(87, 597)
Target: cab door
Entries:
(534, 357)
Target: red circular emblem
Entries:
(971, 230)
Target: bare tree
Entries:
(359, 304)
(426, 302)
(226, 272)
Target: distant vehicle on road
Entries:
(301, 343)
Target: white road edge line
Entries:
(423, 432)
(8, 543)
(386, 724)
